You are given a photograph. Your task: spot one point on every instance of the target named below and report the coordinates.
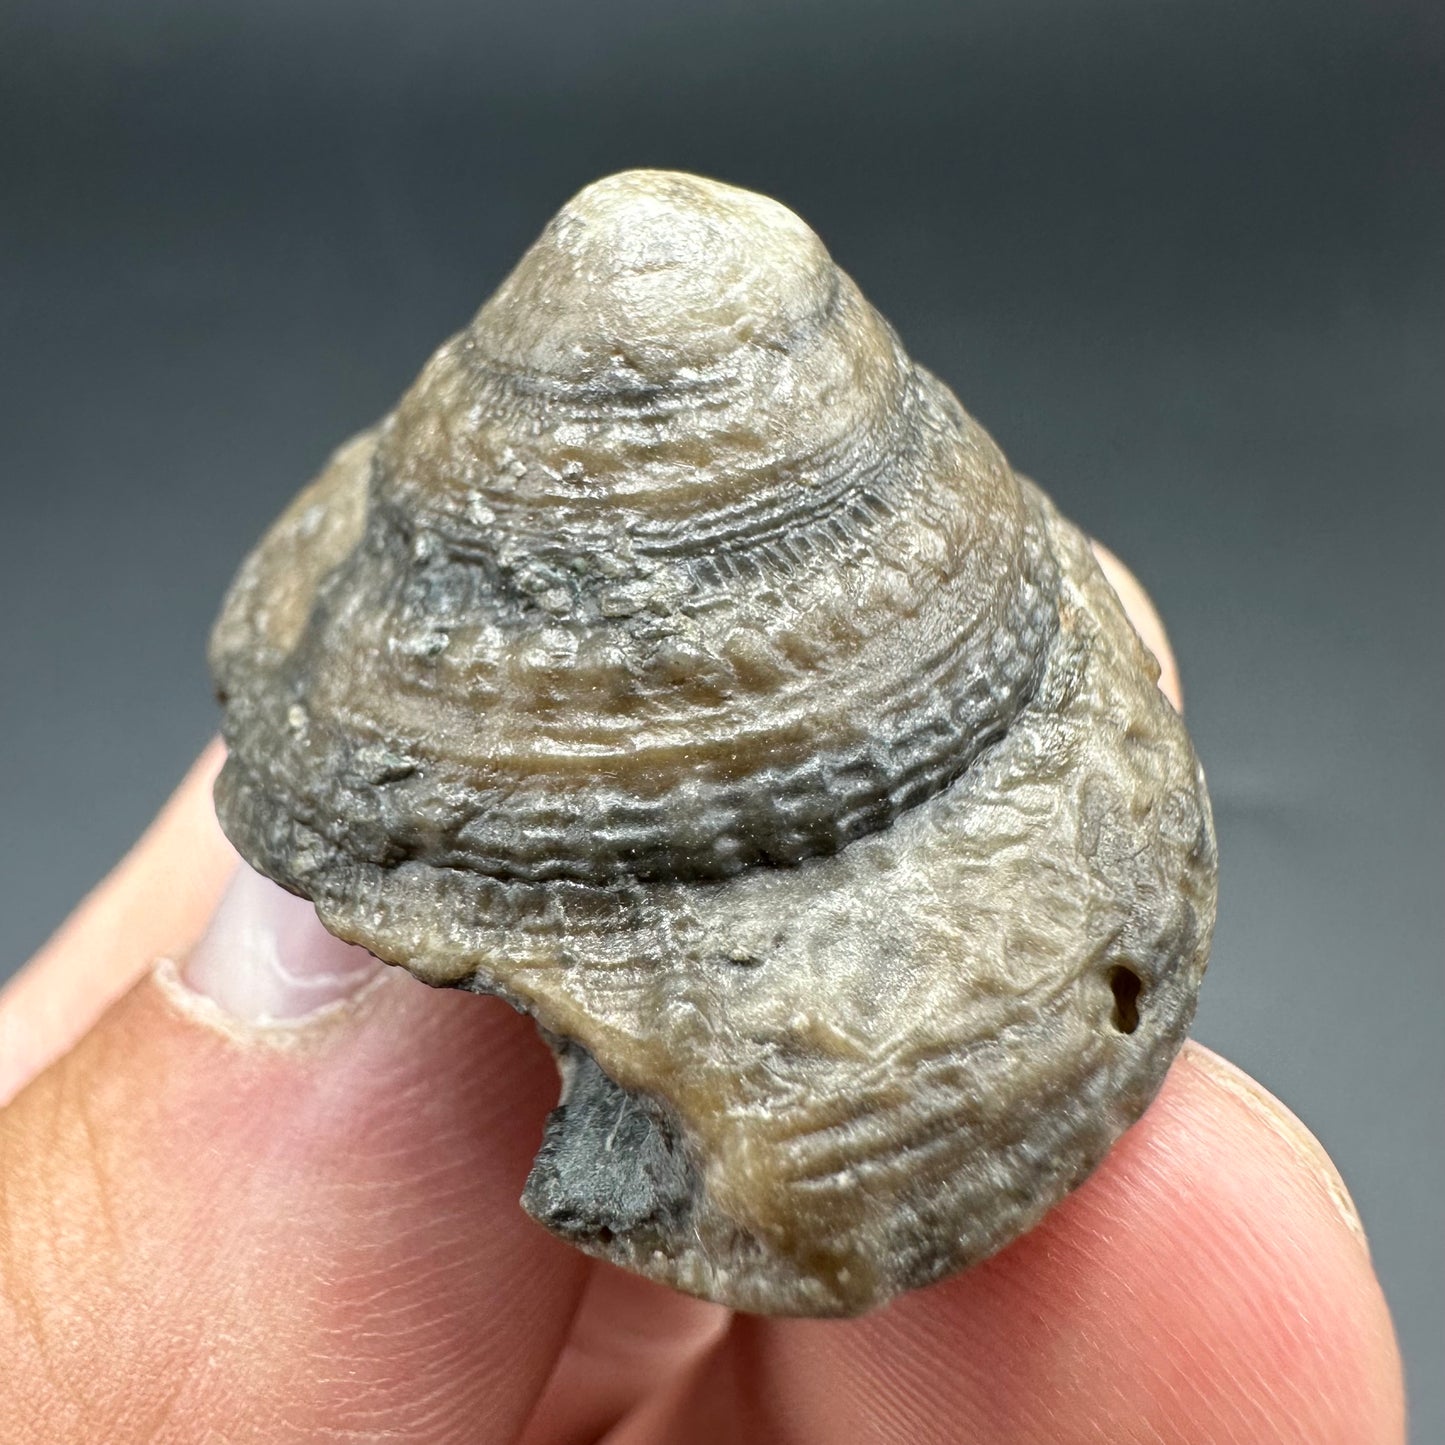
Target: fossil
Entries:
(680, 663)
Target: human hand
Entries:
(214, 1229)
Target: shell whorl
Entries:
(669, 567)
(673, 563)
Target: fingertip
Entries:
(631, 1341)
(155, 901)
(334, 1193)
(1141, 612)
(1276, 1205)
(1205, 1285)
(1312, 1164)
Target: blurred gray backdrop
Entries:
(1183, 260)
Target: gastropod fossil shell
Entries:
(679, 662)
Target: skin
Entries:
(211, 1235)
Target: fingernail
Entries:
(1265, 1107)
(266, 959)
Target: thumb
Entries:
(271, 1195)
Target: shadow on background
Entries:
(1184, 262)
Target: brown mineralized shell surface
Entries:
(679, 662)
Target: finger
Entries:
(1209, 1284)
(156, 901)
(628, 1334)
(631, 1341)
(1146, 620)
(281, 1209)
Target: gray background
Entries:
(1183, 260)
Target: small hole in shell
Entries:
(1126, 986)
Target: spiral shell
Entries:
(681, 663)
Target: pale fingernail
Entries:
(1287, 1127)
(266, 959)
